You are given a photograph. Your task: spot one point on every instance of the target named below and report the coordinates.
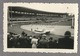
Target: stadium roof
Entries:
(22, 10)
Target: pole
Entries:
(72, 21)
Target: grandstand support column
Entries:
(72, 26)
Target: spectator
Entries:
(17, 42)
(55, 45)
(34, 42)
(27, 41)
(22, 34)
(66, 42)
(43, 42)
(50, 43)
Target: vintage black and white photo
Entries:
(40, 27)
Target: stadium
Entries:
(35, 22)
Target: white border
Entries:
(5, 9)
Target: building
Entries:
(22, 14)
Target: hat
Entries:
(43, 35)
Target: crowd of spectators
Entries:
(24, 41)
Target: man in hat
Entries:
(43, 42)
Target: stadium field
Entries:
(56, 31)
